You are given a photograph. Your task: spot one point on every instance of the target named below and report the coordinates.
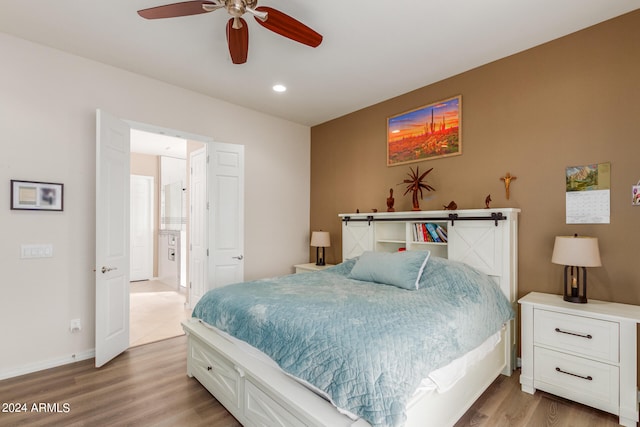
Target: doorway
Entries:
(223, 220)
(159, 221)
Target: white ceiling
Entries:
(372, 51)
(157, 144)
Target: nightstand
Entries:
(305, 268)
(582, 352)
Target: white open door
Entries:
(227, 214)
(112, 237)
(198, 226)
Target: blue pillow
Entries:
(401, 269)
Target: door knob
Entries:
(238, 257)
(105, 269)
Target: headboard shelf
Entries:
(486, 239)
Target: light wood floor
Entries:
(145, 386)
(505, 405)
(156, 312)
(148, 386)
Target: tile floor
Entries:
(156, 312)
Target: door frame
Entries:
(163, 131)
(208, 143)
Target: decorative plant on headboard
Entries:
(416, 184)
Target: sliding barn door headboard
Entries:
(486, 239)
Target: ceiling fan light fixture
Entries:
(237, 32)
(279, 88)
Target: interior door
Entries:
(112, 237)
(227, 214)
(198, 225)
(141, 225)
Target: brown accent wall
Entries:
(572, 101)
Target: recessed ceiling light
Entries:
(279, 88)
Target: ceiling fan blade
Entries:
(177, 9)
(289, 27)
(238, 40)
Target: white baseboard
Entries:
(46, 364)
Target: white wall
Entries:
(47, 132)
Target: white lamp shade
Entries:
(320, 239)
(578, 251)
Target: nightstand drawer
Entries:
(586, 381)
(593, 338)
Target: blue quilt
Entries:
(367, 345)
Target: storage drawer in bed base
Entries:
(216, 374)
(243, 394)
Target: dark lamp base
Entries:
(578, 299)
(320, 258)
(578, 292)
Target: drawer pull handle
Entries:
(209, 368)
(589, 378)
(574, 334)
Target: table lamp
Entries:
(321, 240)
(575, 253)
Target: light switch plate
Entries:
(36, 251)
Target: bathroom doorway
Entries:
(221, 231)
(159, 225)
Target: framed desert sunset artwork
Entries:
(428, 132)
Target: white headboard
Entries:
(486, 239)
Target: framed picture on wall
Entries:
(428, 132)
(36, 196)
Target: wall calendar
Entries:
(588, 194)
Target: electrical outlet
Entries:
(75, 325)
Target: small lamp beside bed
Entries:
(321, 240)
(575, 253)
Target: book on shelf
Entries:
(418, 236)
(419, 233)
(425, 232)
(432, 232)
(442, 232)
(426, 237)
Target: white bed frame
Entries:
(258, 394)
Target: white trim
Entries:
(47, 364)
(169, 132)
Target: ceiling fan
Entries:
(237, 31)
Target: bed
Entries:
(374, 372)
